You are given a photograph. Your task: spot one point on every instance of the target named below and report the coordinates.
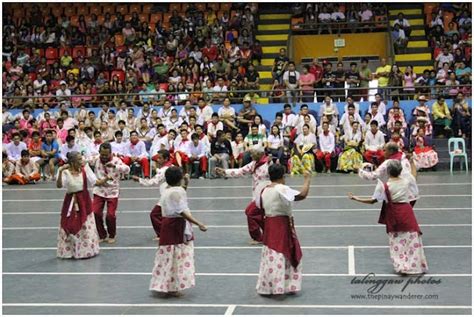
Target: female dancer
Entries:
(77, 236)
(174, 260)
(406, 247)
(280, 264)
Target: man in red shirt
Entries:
(317, 70)
(209, 50)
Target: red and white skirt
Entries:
(84, 244)
(406, 253)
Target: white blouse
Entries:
(173, 202)
(276, 200)
(398, 189)
(75, 183)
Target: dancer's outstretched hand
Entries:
(307, 174)
(203, 228)
(350, 195)
(135, 178)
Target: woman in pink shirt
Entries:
(409, 78)
(307, 85)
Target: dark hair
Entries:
(215, 114)
(25, 153)
(34, 133)
(287, 105)
(173, 176)
(364, 60)
(133, 132)
(118, 133)
(165, 154)
(374, 122)
(97, 132)
(219, 133)
(69, 138)
(303, 106)
(121, 121)
(254, 126)
(105, 146)
(276, 171)
(194, 136)
(16, 134)
(350, 106)
(353, 64)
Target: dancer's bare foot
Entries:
(175, 294)
(111, 240)
(255, 242)
(156, 239)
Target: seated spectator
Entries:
(377, 115)
(441, 114)
(66, 148)
(444, 57)
(424, 155)
(461, 116)
(275, 145)
(324, 21)
(277, 94)
(252, 139)
(422, 122)
(404, 24)
(327, 145)
(374, 143)
(15, 147)
(221, 151)
(302, 156)
(8, 168)
(396, 138)
(138, 156)
(351, 159)
(238, 150)
(197, 152)
(26, 171)
(306, 83)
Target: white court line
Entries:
(342, 247)
(351, 260)
(244, 226)
(28, 213)
(237, 305)
(223, 198)
(230, 310)
(214, 274)
(236, 186)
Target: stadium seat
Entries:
(119, 73)
(295, 23)
(175, 6)
(226, 6)
(468, 52)
(201, 6)
(88, 19)
(147, 8)
(101, 19)
(123, 9)
(108, 8)
(381, 19)
(63, 49)
(135, 8)
(51, 53)
(144, 17)
(96, 9)
(106, 75)
(152, 27)
(214, 6)
(436, 52)
(166, 17)
(69, 11)
(83, 10)
(184, 7)
(57, 11)
(74, 20)
(32, 76)
(78, 50)
(121, 48)
(164, 86)
(155, 17)
(429, 7)
(127, 17)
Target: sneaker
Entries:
(202, 177)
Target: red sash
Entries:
(262, 161)
(398, 217)
(172, 231)
(280, 235)
(77, 218)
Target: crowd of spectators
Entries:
(341, 17)
(51, 57)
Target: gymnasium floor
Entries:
(341, 241)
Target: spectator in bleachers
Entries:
(302, 158)
(327, 145)
(444, 57)
(395, 79)
(461, 116)
(374, 144)
(382, 74)
(424, 155)
(365, 77)
(400, 39)
(306, 83)
(409, 78)
(26, 170)
(280, 65)
(404, 24)
(441, 114)
(221, 151)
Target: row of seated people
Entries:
(288, 139)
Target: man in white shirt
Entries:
(120, 147)
(165, 112)
(197, 152)
(181, 150)
(377, 115)
(444, 57)
(288, 117)
(15, 147)
(38, 84)
(205, 111)
(291, 78)
(324, 20)
(404, 24)
(327, 144)
(327, 104)
(298, 121)
(374, 143)
(220, 90)
(213, 126)
(69, 146)
(62, 93)
(138, 154)
(345, 121)
(122, 113)
(382, 107)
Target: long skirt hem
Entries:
(83, 245)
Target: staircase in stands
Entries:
(418, 52)
(273, 31)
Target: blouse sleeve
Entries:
(379, 193)
(178, 202)
(91, 178)
(287, 192)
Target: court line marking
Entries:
(218, 274)
(351, 260)
(244, 226)
(223, 198)
(238, 186)
(230, 310)
(341, 247)
(27, 213)
(237, 305)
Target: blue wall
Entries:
(268, 111)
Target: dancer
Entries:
(77, 237)
(259, 170)
(280, 264)
(391, 152)
(174, 260)
(406, 247)
(111, 167)
(163, 162)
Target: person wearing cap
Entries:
(258, 168)
(441, 114)
(246, 115)
(424, 154)
(62, 93)
(422, 109)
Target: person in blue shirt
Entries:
(50, 154)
